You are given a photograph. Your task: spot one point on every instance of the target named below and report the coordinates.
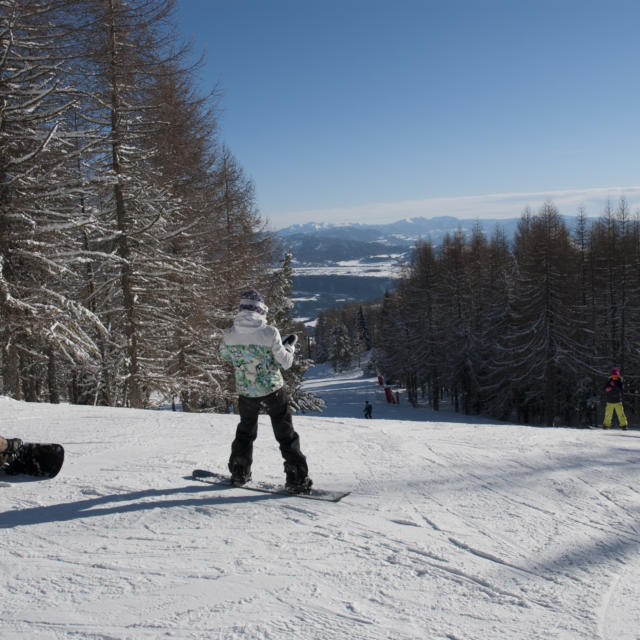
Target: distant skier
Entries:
(368, 409)
(614, 391)
(258, 353)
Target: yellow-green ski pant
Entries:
(608, 414)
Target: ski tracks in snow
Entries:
(619, 613)
(452, 531)
(528, 532)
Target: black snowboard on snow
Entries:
(40, 459)
(210, 477)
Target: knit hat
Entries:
(615, 372)
(252, 301)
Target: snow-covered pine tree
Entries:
(280, 314)
(279, 296)
(421, 304)
(495, 289)
(139, 284)
(340, 347)
(455, 299)
(540, 341)
(475, 266)
(320, 333)
(363, 330)
(40, 221)
(189, 158)
(587, 370)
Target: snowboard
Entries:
(210, 477)
(40, 459)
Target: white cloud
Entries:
(496, 205)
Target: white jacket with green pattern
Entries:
(257, 353)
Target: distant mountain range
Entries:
(334, 263)
(407, 229)
(316, 244)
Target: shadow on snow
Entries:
(140, 501)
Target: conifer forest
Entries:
(127, 227)
(524, 329)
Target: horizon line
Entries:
(495, 205)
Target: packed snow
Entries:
(456, 528)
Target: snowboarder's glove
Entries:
(290, 340)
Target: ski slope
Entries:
(454, 530)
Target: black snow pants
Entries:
(277, 406)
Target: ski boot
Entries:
(13, 444)
(239, 474)
(297, 480)
(10, 449)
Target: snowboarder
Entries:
(258, 353)
(614, 390)
(367, 409)
(8, 448)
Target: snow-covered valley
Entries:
(455, 529)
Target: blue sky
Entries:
(372, 111)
